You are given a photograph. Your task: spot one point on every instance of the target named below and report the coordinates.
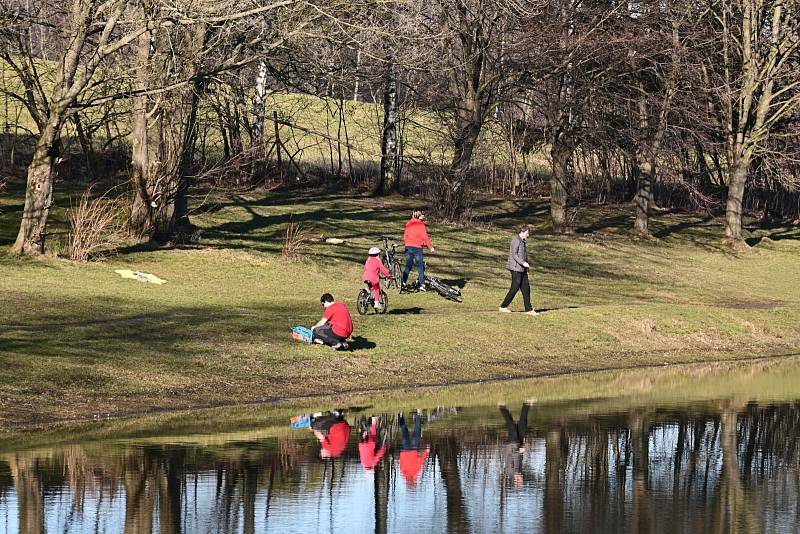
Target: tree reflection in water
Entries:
(716, 468)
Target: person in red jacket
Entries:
(372, 445)
(333, 433)
(335, 326)
(373, 269)
(415, 238)
(412, 459)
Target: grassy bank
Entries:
(691, 387)
(77, 341)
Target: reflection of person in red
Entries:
(412, 460)
(372, 446)
(333, 432)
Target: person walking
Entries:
(518, 265)
(513, 448)
(335, 326)
(415, 238)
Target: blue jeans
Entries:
(414, 254)
(411, 443)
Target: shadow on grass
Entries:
(460, 283)
(557, 308)
(362, 343)
(416, 310)
(682, 226)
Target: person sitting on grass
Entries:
(415, 237)
(335, 326)
(373, 269)
(332, 431)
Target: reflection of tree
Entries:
(139, 493)
(556, 453)
(170, 486)
(734, 512)
(447, 452)
(708, 469)
(642, 512)
(27, 485)
(381, 497)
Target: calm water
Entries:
(717, 465)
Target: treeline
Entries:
(690, 104)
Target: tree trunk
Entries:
(179, 222)
(644, 194)
(141, 219)
(39, 192)
(260, 104)
(388, 177)
(733, 208)
(561, 153)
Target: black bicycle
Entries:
(392, 263)
(447, 291)
(366, 299)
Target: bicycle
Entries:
(447, 291)
(365, 300)
(392, 263)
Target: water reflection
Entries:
(714, 468)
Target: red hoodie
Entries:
(366, 450)
(416, 234)
(411, 463)
(336, 440)
(372, 268)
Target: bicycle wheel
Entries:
(384, 301)
(397, 276)
(362, 302)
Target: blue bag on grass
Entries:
(302, 333)
(300, 421)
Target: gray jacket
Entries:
(517, 255)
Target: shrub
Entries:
(95, 227)
(294, 240)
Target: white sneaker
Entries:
(504, 310)
(531, 312)
(378, 307)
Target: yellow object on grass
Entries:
(142, 277)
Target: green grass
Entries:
(691, 388)
(78, 341)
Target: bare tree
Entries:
(754, 78)
(91, 31)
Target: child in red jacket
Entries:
(373, 268)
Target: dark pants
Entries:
(519, 280)
(411, 443)
(414, 254)
(326, 335)
(324, 423)
(516, 432)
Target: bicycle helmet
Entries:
(374, 251)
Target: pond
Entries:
(690, 449)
